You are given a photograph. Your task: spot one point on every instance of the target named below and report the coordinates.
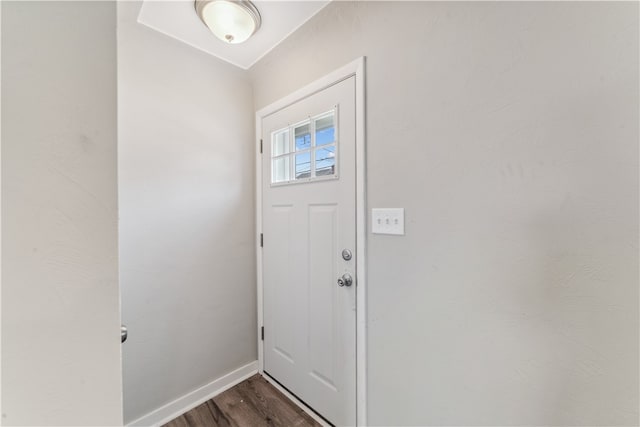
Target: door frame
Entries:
(355, 68)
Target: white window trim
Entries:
(312, 150)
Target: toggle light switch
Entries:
(387, 221)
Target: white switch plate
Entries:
(387, 221)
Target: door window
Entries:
(305, 151)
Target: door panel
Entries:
(308, 219)
(323, 329)
(284, 332)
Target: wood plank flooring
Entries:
(252, 403)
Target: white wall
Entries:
(0, 214)
(187, 238)
(60, 299)
(509, 132)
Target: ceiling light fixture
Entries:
(232, 21)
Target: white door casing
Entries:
(310, 321)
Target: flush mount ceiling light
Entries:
(232, 21)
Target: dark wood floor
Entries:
(252, 403)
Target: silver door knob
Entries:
(345, 280)
(123, 333)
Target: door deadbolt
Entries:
(345, 280)
(346, 254)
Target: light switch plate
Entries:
(387, 221)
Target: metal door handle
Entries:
(123, 333)
(345, 280)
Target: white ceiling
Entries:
(178, 19)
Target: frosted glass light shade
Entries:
(230, 21)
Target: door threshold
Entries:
(292, 397)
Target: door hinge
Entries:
(261, 240)
(262, 333)
(260, 146)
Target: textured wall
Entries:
(187, 235)
(509, 132)
(60, 299)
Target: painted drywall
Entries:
(509, 132)
(187, 235)
(60, 299)
(0, 213)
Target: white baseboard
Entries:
(174, 409)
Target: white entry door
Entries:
(309, 251)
